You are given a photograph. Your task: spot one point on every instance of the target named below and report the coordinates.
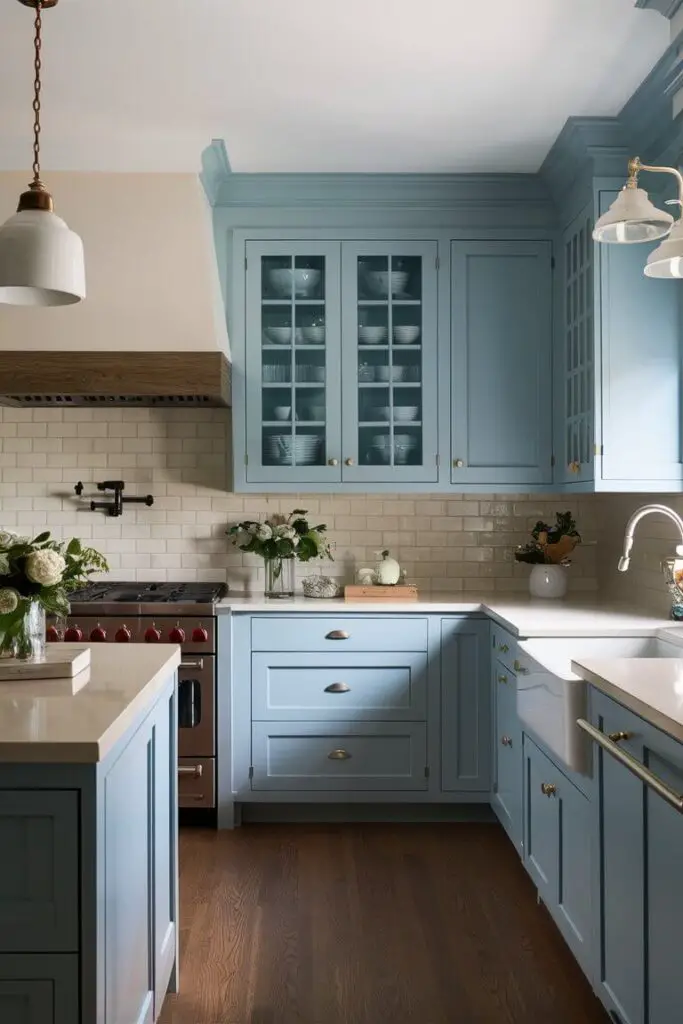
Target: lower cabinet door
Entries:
(40, 988)
(165, 834)
(558, 849)
(465, 706)
(506, 796)
(349, 756)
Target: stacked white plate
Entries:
(302, 449)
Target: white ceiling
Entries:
(318, 85)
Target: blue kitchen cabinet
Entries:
(337, 381)
(501, 348)
(640, 850)
(617, 364)
(465, 706)
(42, 989)
(506, 789)
(557, 849)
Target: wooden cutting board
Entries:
(61, 661)
(378, 592)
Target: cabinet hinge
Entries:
(552, 460)
(251, 771)
(437, 460)
(599, 449)
(246, 459)
(552, 262)
(426, 771)
(246, 262)
(437, 262)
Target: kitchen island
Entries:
(88, 841)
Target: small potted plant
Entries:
(37, 576)
(549, 553)
(281, 542)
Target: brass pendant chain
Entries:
(37, 183)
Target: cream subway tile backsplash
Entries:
(449, 544)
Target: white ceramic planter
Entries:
(548, 581)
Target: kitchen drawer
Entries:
(297, 756)
(338, 632)
(196, 782)
(339, 686)
(505, 647)
(39, 853)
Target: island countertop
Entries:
(47, 722)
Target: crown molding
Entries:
(215, 169)
(667, 8)
(587, 147)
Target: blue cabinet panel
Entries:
(501, 362)
(338, 633)
(39, 989)
(322, 686)
(164, 813)
(465, 706)
(39, 899)
(506, 792)
(339, 756)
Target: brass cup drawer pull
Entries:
(503, 648)
(649, 778)
(502, 678)
(338, 755)
(195, 770)
(337, 688)
(518, 667)
(548, 789)
(506, 741)
(338, 634)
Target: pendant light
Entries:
(633, 218)
(41, 260)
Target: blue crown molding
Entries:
(586, 148)
(647, 117)
(383, 191)
(215, 169)
(666, 7)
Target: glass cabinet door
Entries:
(390, 362)
(293, 388)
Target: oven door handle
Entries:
(196, 770)
(197, 663)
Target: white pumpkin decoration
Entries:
(387, 569)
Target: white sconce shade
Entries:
(41, 261)
(632, 218)
(666, 260)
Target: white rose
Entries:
(45, 567)
(264, 532)
(9, 600)
(7, 538)
(286, 532)
(253, 529)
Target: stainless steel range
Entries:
(175, 613)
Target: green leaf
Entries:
(41, 538)
(74, 547)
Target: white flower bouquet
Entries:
(281, 541)
(38, 575)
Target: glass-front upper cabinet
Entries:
(389, 327)
(293, 394)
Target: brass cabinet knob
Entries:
(338, 755)
(338, 688)
(503, 648)
(458, 463)
(506, 741)
(617, 737)
(348, 462)
(502, 678)
(333, 462)
(548, 788)
(518, 667)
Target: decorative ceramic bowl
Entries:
(302, 280)
(321, 587)
(314, 335)
(279, 335)
(372, 335)
(378, 282)
(282, 412)
(389, 373)
(405, 413)
(406, 334)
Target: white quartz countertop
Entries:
(45, 721)
(650, 687)
(521, 615)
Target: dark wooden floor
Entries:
(368, 924)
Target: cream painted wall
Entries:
(152, 276)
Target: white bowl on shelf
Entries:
(314, 335)
(304, 280)
(282, 412)
(405, 413)
(384, 374)
(406, 334)
(372, 335)
(382, 283)
(278, 335)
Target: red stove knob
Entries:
(123, 635)
(200, 635)
(152, 635)
(98, 635)
(177, 634)
(74, 634)
(52, 635)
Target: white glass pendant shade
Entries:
(667, 259)
(632, 218)
(41, 261)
